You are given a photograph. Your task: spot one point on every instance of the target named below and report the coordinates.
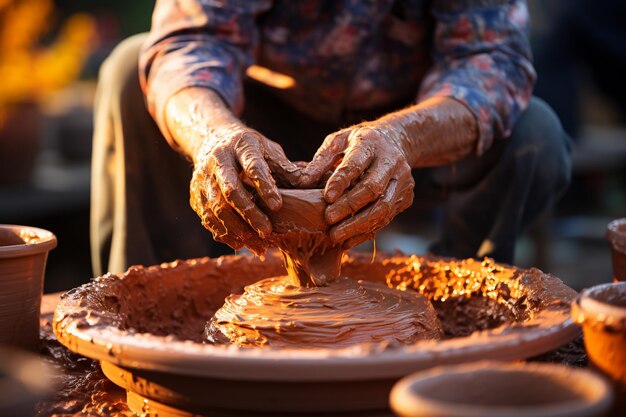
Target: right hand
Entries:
(218, 194)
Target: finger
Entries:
(369, 189)
(200, 204)
(326, 156)
(210, 222)
(287, 171)
(357, 240)
(250, 155)
(212, 208)
(239, 198)
(370, 220)
(355, 162)
(237, 232)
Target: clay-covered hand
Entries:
(231, 155)
(371, 184)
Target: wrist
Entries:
(392, 130)
(435, 132)
(196, 117)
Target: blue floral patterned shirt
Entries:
(347, 54)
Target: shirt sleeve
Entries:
(198, 43)
(482, 58)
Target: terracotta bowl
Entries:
(23, 254)
(616, 235)
(601, 310)
(490, 389)
(146, 325)
(24, 380)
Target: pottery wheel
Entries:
(276, 312)
(146, 326)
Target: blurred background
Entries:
(50, 52)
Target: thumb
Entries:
(326, 156)
(280, 165)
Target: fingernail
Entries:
(331, 195)
(274, 203)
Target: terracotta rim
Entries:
(46, 241)
(596, 397)
(547, 330)
(588, 309)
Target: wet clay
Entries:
(142, 300)
(154, 318)
(300, 232)
(343, 313)
(82, 389)
(311, 307)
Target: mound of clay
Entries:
(276, 312)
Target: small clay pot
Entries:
(24, 380)
(492, 389)
(601, 310)
(616, 235)
(23, 254)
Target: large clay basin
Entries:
(146, 325)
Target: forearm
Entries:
(194, 115)
(438, 131)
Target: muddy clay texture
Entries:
(507, 294)
(139, 303)
(343, 313)
(300, 232)
(82, 388)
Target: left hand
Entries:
(371, 184)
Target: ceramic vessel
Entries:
(601, 310)
(23, 254)
(616, 235)
(24, 380)
(491, 389)
(146, 326)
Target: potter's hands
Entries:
(371, 184)
(227, 208)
